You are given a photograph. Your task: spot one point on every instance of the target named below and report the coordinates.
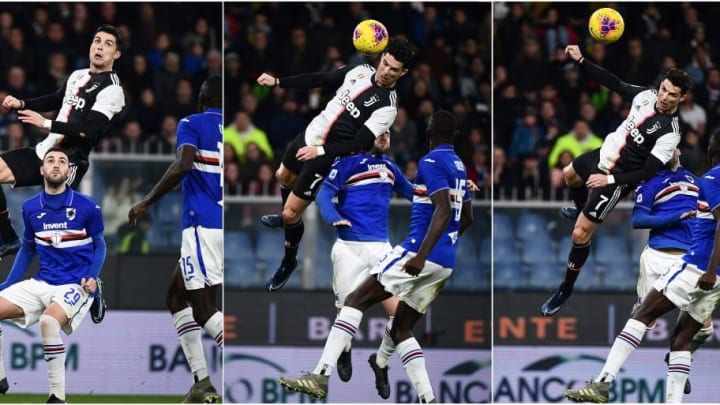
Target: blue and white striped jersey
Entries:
(62, 235)
(704, 224)
(202, 187)
(364, 184)
(440, 169)
(669, 193)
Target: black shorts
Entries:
(603, 200)
(25, 167)
(310, 173)
(587, 164)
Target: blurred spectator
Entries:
(404, 137)
(692, 156)
(165, 141)
(287, 123)
(532, 180)
(139, 76)
(54, 77)
(265, 182)
(231, 178)
(527, 136)
(250, 166)
(120, 197)
(133, 240)
(242, 132)
(503, 182)
(183, 104)
(148, 113)
(167, 77)
(692, 114)
(576, 142)
(16, 52)
(132, 139)
(411, 169)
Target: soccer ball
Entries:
(606, 25)
(370, 37)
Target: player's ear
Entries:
(683, 97)
(403, 72)
(117, 55)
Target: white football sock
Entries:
(54, 354)
(341, 333)
(413, 360)
(214, 328)
(387, 346)
(625, 343)
(678, 372)
(190, 336)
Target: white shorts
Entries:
(352, 262)
(653, 263)
(34, 296)
(417, 292)
(679, 283)
(201, 257)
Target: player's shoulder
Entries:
(32, 204)
(81, 200)
(712, 174)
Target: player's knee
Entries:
(284, 177)
(571, 177)
(49, 326)
(581, 234)
(291, 215)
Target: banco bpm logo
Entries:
(544, 379)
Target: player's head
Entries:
(674, 161)
(713, 149)
(55, 168)
(394, 62)
(382, 144)
(105, 48)
(211, 92)
(441, 129)
(673, 90)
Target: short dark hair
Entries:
(56, 149)
(442, 127)
(211, 92)
(679, 78)
(114, 31)
(402, 50)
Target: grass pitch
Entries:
(93, 399)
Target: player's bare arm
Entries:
(438, 224)
(33, 118)
(466, 216)
(707, 280)
(171, 178)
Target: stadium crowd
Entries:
(546, 113)
(451, 72)
(169, 49)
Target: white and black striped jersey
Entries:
(358, 101)
(644, 132)
(83, 92)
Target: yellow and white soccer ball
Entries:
(606, 25)
(370, 37)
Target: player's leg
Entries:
(575, 175)
(342, 332)
(653, 306)
(287, 179)
(308, 183)
(410, 352)
(601, 202)
(51, 321)
(379, 361)
(8, 310)
(680, 357)
(188, 330)
(286, 175)
(202, 274)
(10, 242)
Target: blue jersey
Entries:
(440, 169)
(704, 223)
(62, 235)
(363, 184)
(665, 197)
(202, 189)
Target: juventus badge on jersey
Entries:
(55, 239)
(70, 213)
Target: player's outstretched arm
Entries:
(44, 103)
(173, 175)
(643, 219)
(305, 80)
(438, 223)
(602, 75)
